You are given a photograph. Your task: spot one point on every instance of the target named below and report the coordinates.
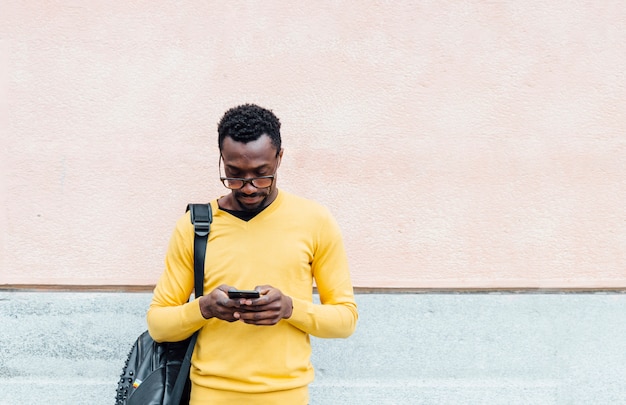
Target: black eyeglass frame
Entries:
(250, 180)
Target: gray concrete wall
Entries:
(68, 348)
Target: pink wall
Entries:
(459, 144)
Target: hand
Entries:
(218, 305)
(269, 309)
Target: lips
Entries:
(250, 199)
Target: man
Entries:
(255, 351)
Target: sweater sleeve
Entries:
(336, 315)
(171, 317)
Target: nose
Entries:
(248, 188)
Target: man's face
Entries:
(248, 160)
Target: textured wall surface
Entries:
(459, 144)
(496, 349)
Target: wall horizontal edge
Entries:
(76, 288)
(357, 290)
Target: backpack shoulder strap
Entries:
(201, 218)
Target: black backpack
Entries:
(158, 373)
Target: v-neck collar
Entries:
(247, 216)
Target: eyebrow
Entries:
(233, 167)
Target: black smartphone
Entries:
(243, 294)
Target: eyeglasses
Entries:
(236, 183)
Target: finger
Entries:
(263, 289)
(244, 302)
(227, 302)
(250, 316)
(260, 318)
(265, 303)
(223, 287)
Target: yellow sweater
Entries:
(288, 245)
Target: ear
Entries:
(280, 156)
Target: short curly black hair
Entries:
(246, 123)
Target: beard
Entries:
(251, 202)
